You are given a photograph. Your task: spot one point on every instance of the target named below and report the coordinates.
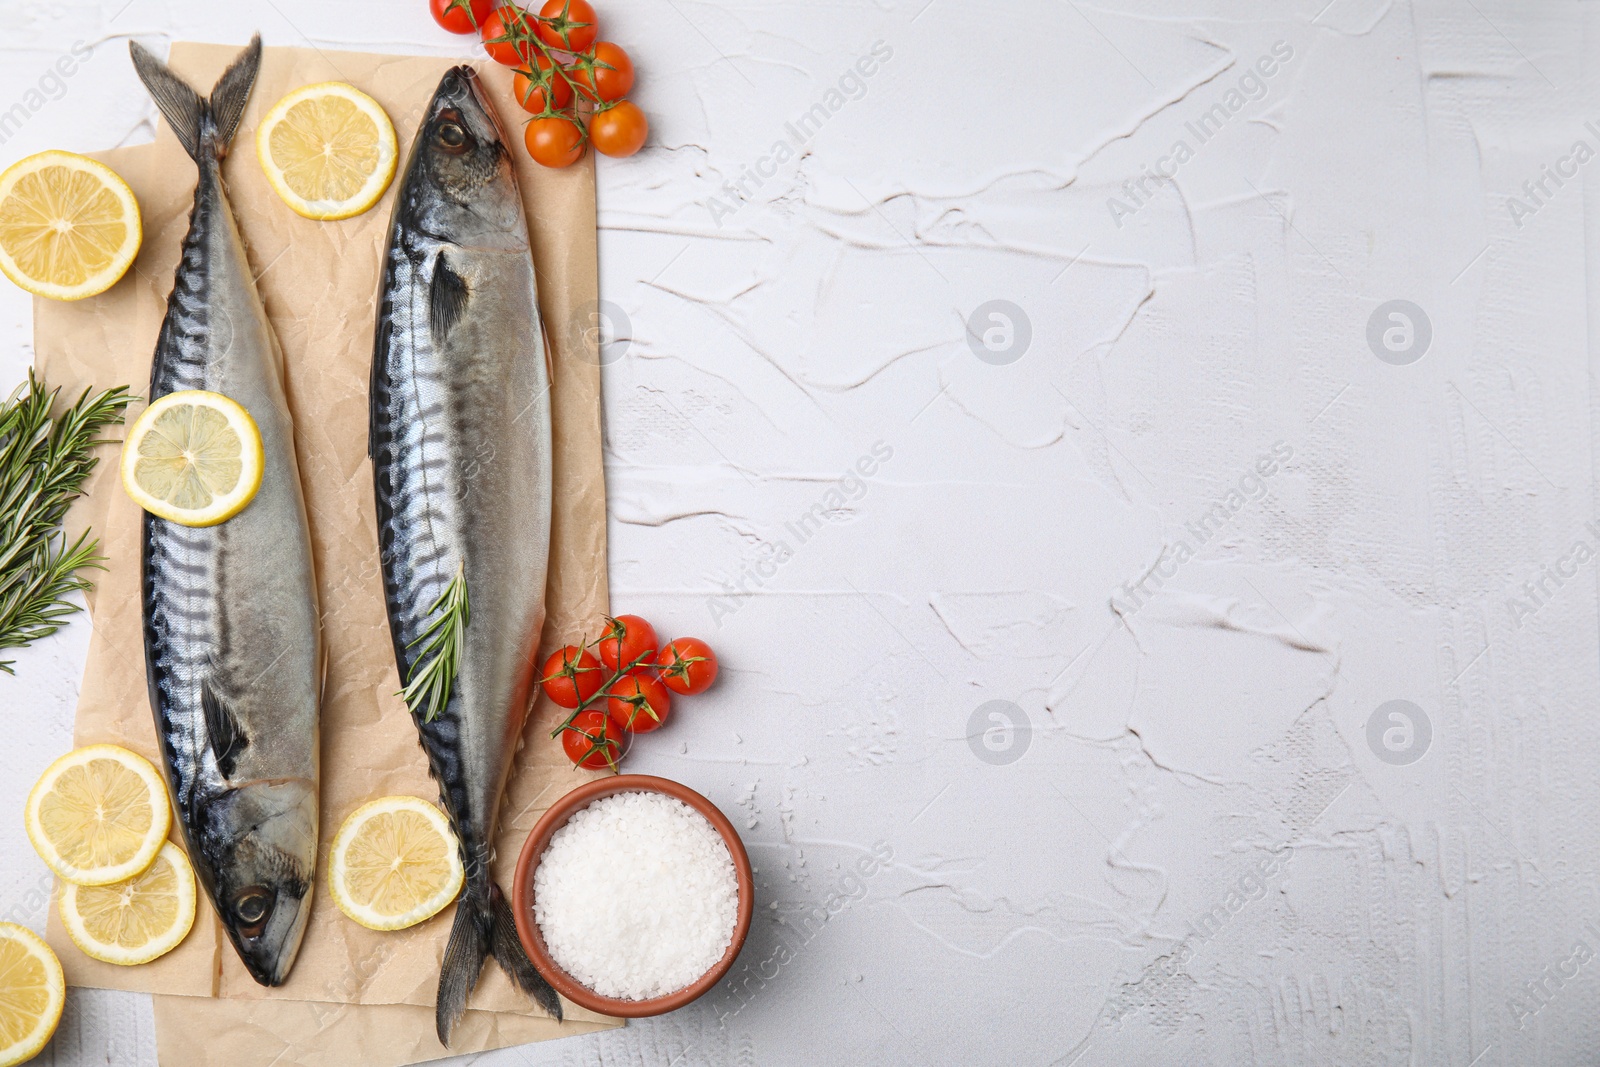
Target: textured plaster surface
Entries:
(1094, 649)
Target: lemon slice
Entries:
(193, 457)
(32, 994)
(394, 863)
(135, 921)
(98, 815)
(328, 150)
(69, 227)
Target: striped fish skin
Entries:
(461, 456)
(232, 633)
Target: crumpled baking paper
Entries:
(355, 996)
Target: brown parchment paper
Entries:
(319, 283)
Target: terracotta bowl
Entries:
(533, 939)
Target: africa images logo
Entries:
(1250, 487)
(1253, 85)
(51, 85)
(1399, 733)
(850, 85)
(1399, 332)
(999, 732)
(999, 332)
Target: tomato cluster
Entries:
(573, 84)
(622, 687)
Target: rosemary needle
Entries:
(434, 671)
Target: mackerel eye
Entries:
(452, 138)
(251, 907)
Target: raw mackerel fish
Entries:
(461, 459)
(232, 637)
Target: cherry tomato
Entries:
(554, 141)
(687, 665)
(531, 92)
(639, 701)
(571, 676)
(606, 74)
(626, 640)
(619, 130)
(460, 16)
(505, 36)
(569, 25)
(595, 740)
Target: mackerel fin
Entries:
(180, 105)
(484, 925)
(448, 296)
(470, 935)
(513, 958)
(232, 90)
(228, 738)
(204, 126)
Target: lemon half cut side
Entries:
(69, 226)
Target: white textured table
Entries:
(1103, 647)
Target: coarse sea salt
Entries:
(636, 896)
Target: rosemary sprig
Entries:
(433, 672)
(43, 463)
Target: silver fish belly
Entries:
(461, 456)
(232, 633)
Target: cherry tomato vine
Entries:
(573, 85)
(619, 685)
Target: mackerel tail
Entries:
(204, 125)
(232, 634)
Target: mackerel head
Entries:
(232, 636)
(461, 461)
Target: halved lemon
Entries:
(135, 921)
(394, 863)
(329, 150)
(193, 457)
(69, 227)
(98, 815)
(32, 993)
